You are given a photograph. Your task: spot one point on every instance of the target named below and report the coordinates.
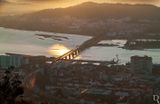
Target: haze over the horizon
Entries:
(154, 2)
(23, 6)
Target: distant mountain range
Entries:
(102, 11)
(90, 19)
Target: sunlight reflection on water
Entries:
(58, 50)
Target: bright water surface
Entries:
(27, 42)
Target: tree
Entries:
(10, 88)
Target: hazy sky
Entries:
(129, 1)
(70, 2)
(21, 6)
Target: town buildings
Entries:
(7, 61)
(141, 65)
(19, 60)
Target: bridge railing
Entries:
(71, 52)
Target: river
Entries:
(56, 44)
(37, 42)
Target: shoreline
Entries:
(106, 36)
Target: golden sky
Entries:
(72, 2)
(22, 6)
(133, 1)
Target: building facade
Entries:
(142, 65)
(7, 61)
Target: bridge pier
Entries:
(74, 54)
(70, 56)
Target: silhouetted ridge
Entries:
(94, 10)
(90, 18)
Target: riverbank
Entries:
(142, 44)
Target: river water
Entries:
(55, 44)
(35, 42)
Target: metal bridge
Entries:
(69, 55)
(76, 52)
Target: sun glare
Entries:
(58, 50)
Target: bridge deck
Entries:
(83, 46)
